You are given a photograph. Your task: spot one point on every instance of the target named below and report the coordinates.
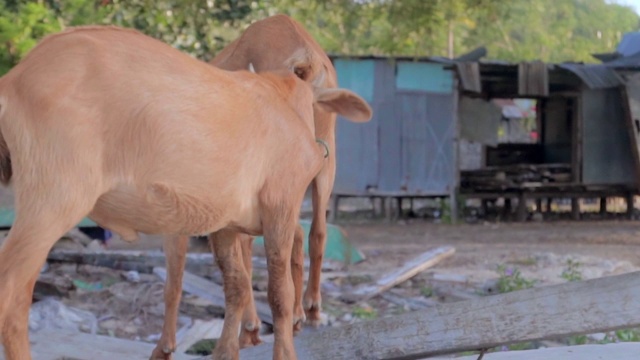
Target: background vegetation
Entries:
(550, 30)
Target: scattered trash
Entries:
(87, 286)
(51, 314)
(132, 276)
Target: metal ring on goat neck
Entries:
(326, 147)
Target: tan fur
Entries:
(110, 123)
(279, 42)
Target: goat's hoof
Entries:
(162, 353)
(313, 314)
(299, 318)
(249, 335)
(225, 353)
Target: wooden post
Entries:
(603, 205)
(549, 312)
(522, 208)
(507, 208)
(629, 200)
(485, 207)
(575, 208)
(549, 202)
(399, 201)
(388, 208)
(333, 212)
(539, 205)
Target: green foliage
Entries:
(521, 346)
(572, 271)
(203, 347)
(22, 23)
(365, 312)
(578, 340)
(549, 30)
(511, 280)
(628, 335)
(426, 291)
(200, 28)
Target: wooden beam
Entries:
(56, 345)
(200, 330)
(407, 271)
(620, 351)
(211, 291)
(581, 307)
(145, 261)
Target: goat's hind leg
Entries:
(297, 274)
(228, 253)
(38, 225)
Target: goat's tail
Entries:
(5, 157)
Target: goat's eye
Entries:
(300, 73)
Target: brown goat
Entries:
(276, 43)
(111, 124)
(281, 43)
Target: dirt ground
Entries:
(481, 245)
(540, 251)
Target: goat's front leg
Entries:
(321, 188)
(228, 253)
(278, 241)
(175, 250)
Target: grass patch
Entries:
(512, 280)
(203, 347)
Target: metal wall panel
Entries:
(421, 76)
(606, 147)
(557, 131)
(357, 143)
(390, 129)
(408, 145)
(358, 75)
(427, 142)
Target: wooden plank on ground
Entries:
(582, 307)
(56, 345)
(211, 291)
(200, 330)
(619, 351)
(407, 271)
(145, 261)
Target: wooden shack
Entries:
(428, 110)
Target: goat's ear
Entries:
(343, 102)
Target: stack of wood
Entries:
(515, 176)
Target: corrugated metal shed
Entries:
(407, 149)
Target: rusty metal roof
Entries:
(595, 76)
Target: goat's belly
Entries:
(161, 210)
